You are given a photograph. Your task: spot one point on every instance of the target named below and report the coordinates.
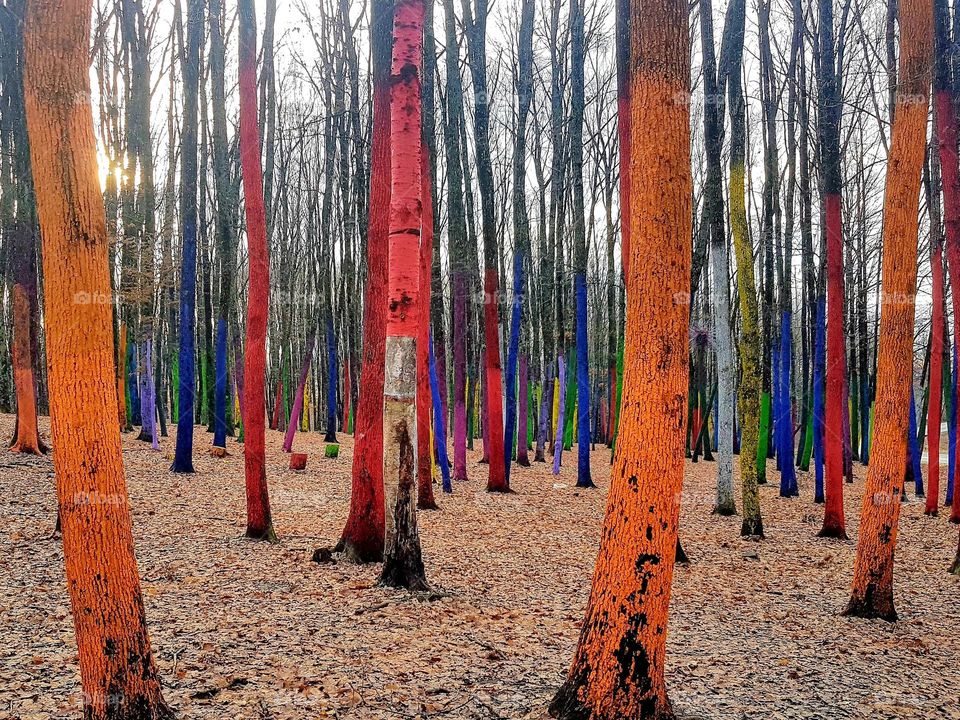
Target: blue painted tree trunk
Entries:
(785, 452)
(913, 445)
(133, 382)
(439, 423)
(183, 454)
(332, 376)
(220, 387)
(513, 351)
(583, 387)
(819, 373)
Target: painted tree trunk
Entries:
(583, 387)
(546, 407)
(439, 422)
(945, 116)
(27, 439)
(819, 376)
(749, 399)
(562, 385)
(259, 521)
(952, 429)
(618, 667)
(362, 537)
(914, 471)
(720, 267)
(333, 379)
(935, 390)
(460, 294)
(298, 397)
(122, 379)
(785, 450)
(226, 241)
(276, 416)
(117, 669)
(186, 369)
(425, 495)
(497, 480)
(402, 561)
(834, 522)
(523, 442)
(872, 592)
(220, 391)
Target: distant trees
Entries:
(116, 663)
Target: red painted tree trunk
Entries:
(946, 129)
(402, 561)
(834, 523)
(259, 522)
(362, 538)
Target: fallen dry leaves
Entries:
(255, 631)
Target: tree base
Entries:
(405, 573)
(427, 505)
(872, 606)
(752, 528)
(567, 705)
(725, 509)
(523, 462)
(932, 513)
(503, 490)
(347, 551)
(955, 568)
(588, 485)
(681, 556)
(265, 534)
(832, 532)
(24, 448)
(141, 708)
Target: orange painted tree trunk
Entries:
(27, 439)
(259, 521)
(119, 677)
(618, 668)
(872, 593)
(362, 537)
(402, 561)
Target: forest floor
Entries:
(249, 630)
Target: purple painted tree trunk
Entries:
(523, 458)
(558, 447)
(460, 292)
(298, 398)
